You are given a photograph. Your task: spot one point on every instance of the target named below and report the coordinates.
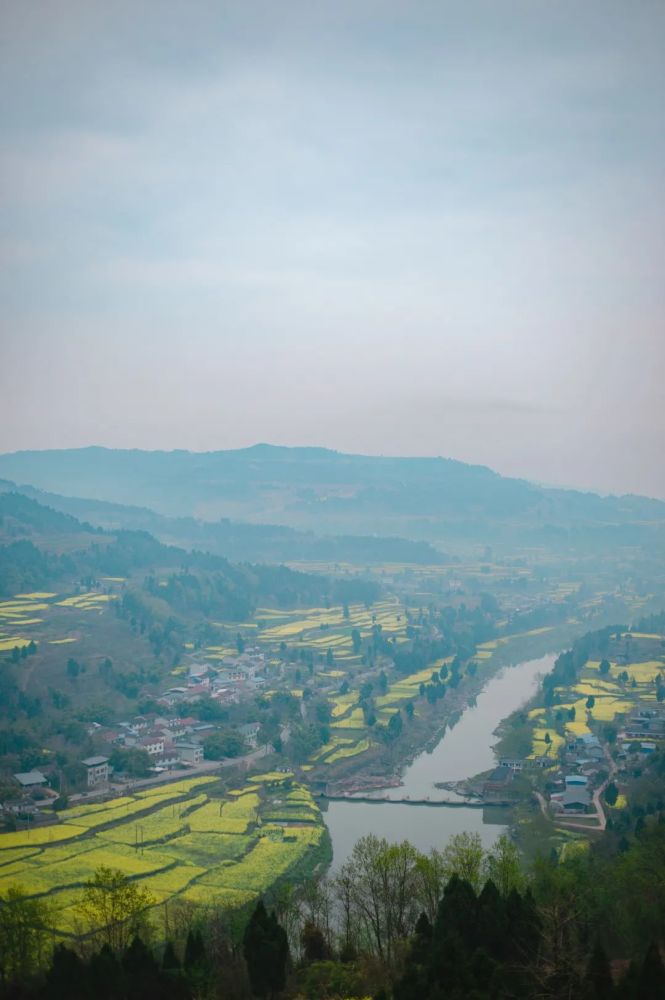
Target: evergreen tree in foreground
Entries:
(651, 981)
(266, 951)
(480, 946)
(598, 984)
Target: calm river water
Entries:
(463, 750)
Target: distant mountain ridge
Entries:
(234, 540)
(314, 489)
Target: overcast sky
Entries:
(387, 227)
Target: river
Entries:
(465, 749)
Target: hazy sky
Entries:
(392, 227)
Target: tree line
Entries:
(392, 923)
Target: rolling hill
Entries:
(326, 492)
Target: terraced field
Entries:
(21, 616)
(320, 629)
(619, 692)
(178, 841)
(329, 629)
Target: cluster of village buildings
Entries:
(580, 762)
(178, 741)
(170, 741)
(233, 680)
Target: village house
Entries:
(576, 799)
(245, 667)
(97, 770)
(170, 755)
(189, 753)
(540, 762)
(197, 671)
(514, 763)
(176, 727)
(194, 692)
(153, 744)
(589, 768)
(250, 733)
(645, 723)
(229, 675)
(199, 682)
(30, 779)
(109, 735)
(575, 780)
(226, 695)
(587, 745)
(203, 729)
(172, 696)
(140, 724)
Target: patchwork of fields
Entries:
(184, 841)
(319, 629)
(623, 689)
(323, 629)
(328, 632)
(20, 615)
(178, 841)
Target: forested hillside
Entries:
(41, 551)
(422, 498)
(238, 540)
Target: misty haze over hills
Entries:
(333, 716)
(325, 492)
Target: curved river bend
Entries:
(463, 751)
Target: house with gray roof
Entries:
(30, 779)
(576, 799)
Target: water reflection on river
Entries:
(463, 750)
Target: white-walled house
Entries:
(97, 769)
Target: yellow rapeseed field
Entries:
(175, 840)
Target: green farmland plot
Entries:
(177, 841)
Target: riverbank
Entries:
(592, 716)
(462, 752)
(383, 767)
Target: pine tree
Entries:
(598, 983)
(195, 953)
(65, 979)
(105, 975)
(170, 961)
(266, 951)
(421, 945)
(611, 794)
(491, 923)
(174, 982)
(141, 970)
(457, 913)
(651, 983)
